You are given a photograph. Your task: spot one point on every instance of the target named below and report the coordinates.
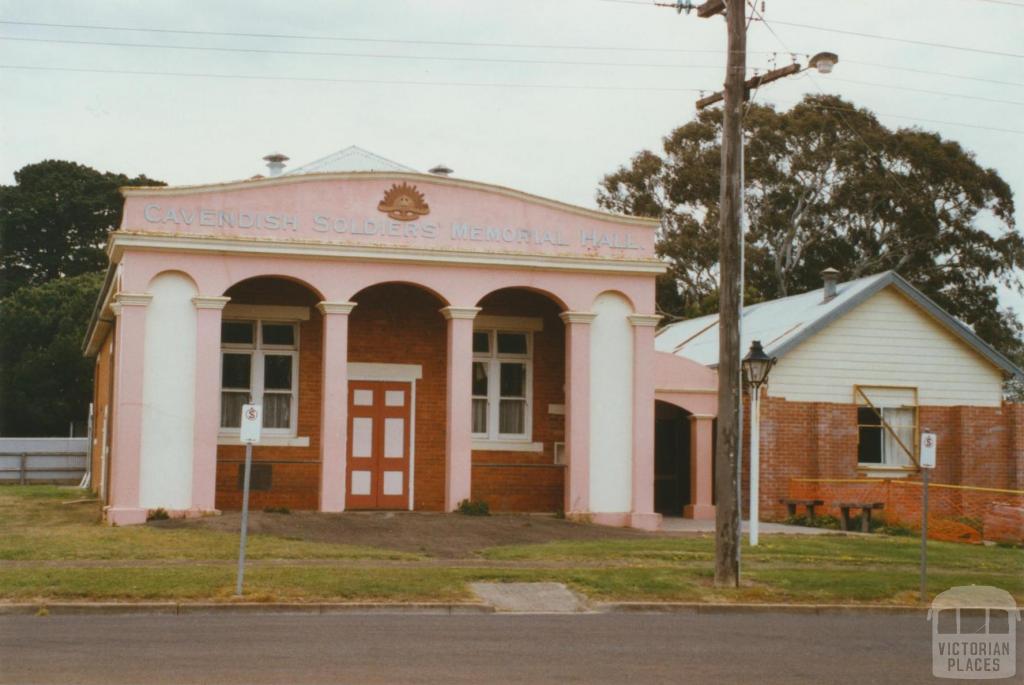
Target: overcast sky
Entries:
(384, 93)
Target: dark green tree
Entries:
(45, 382)
(828, 185)
(54, 221)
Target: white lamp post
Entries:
(756, 366)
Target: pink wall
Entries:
(343, 208)
(294, 227)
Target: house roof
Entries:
(783, 324)
(352, 158)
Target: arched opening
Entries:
(672, 468)
(271, 354)
(397, 362)
(519, 401)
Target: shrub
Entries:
(897, 529)
(158, 514)
(474, 508)
(277, 510)
(822, 521)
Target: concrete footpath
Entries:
(432, 609)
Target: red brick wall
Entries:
(102, 387)
(955, 513)
(296, 470)
(519, 487)
(402, 324)
(1004, 523)
(977, 446)
(529, 481)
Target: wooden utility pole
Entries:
(730, 293)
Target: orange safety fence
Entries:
(957, 513)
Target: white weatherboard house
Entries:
(863, 367)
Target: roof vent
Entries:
(831, 277)
(441, 170)
(275, 162)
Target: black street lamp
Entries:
(757, 364)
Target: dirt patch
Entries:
(450, 536)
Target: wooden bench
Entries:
(810, 504)
(865, 508)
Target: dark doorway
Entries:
(671, 459)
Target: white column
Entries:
(334, 404)
(126, 442)
(577, 411)
(459, 406)
(643, 514)
(207, 413)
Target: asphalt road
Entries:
(589, 648)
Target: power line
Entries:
(453, 84)
(404, 41)
(935, 73)
(389, 40)
(929, 92)
(1003, 2)
(910, 41)
(1019, 132)
(317, 79)
(318, 53)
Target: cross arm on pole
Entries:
(752, 83)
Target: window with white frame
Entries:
(886, 436)
(259, 363)
(502, 384)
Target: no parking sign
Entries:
(252, 422)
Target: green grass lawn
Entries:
(37, 524)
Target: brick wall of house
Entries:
(401, 324)
(101, 399)
(1004, 523)
(295, 476)
(977, 446)
(529, 481)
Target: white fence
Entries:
(43, 460)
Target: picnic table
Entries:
(810, 504)
(865, 508)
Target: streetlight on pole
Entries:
(730, 259)
(756, 366)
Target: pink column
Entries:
(577, 411)
(459, 406)
(701, 456)
(130, 339)
(206, 424)
(643, 515)
(334, 404)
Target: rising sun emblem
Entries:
(403, 203)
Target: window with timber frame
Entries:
(259, 364)
(502, 384)
(887, 426)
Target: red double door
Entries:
(379, 423)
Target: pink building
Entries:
(415, 340)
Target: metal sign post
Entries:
(252, 421)
(927, 462)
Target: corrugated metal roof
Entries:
(773, 323)
(782, 324)
(352, 158)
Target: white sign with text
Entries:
(928, 442)
(252, 422)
